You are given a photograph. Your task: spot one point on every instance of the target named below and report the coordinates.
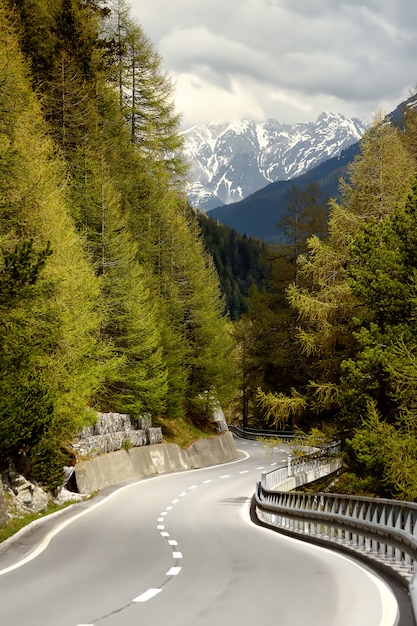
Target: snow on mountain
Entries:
(230, 161)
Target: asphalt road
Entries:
(179, 549)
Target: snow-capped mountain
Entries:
(230, 161)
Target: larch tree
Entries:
(54, 324)
(145, 93)
(328, 310)
(377, 383)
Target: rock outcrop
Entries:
(25, 496)
(115, 431)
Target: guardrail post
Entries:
(289, 465)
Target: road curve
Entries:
(179, 549)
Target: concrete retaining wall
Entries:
(125, 465)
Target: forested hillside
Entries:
(109, 299)
(354, 302)
(241, 262)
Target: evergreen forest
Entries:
(109, 299)
(116, 295)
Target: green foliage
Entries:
(269, 354)
(355, 296)
(281, 408)
(26, 405)
(387, 453)
(240, 262)
(126, 312)
(304, 217)
(21, 268)
(26, 410)
(145, 94)
(47, 461)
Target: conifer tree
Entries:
(145, 92)
(327, 308)
(51, 332)
(377, 383)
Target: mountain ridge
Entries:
(258, 214)
(232, 160)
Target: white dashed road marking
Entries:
(144, 597)
(161, 520)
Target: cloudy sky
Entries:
(288, 59)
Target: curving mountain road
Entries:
(179, 549)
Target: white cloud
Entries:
(288, 59)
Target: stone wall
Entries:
(114, 431)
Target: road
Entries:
(179, 549)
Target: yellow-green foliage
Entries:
(125, 313)
(60, 316)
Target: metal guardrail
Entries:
(380, 529)
(255, 433)
(308, 465)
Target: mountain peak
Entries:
(231, 160)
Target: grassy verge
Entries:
(181, 431)
(20, 520)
